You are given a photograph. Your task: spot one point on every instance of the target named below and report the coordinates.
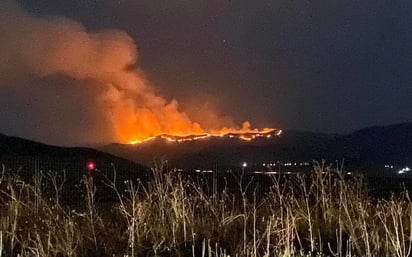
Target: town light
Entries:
(404, 170)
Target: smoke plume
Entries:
(54, 46)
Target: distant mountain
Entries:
(368, 147)
(373, 146)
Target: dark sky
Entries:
(331, 66)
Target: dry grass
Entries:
(320, 214)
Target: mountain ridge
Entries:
(375, 145)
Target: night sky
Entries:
(330, 66)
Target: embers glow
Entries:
(242, 135)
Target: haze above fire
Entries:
(130, 107)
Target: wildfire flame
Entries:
(242, 135)
(138, 114)
(130, 109)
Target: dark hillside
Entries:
(370, 147)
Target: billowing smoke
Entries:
(50, 46)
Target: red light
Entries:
(91, 165)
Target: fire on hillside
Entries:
(246, 136)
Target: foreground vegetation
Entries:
(316, 214)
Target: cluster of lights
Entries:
(204, 171)
(249, 136)
(273, 172)
(401, 171)
(286, 164)
(404, 170)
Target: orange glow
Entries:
(131, 109)
(151, 116)
(134, 125)
(242, 135)
(138, 113)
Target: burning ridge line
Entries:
(247, 136)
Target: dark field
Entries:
(104, 212)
